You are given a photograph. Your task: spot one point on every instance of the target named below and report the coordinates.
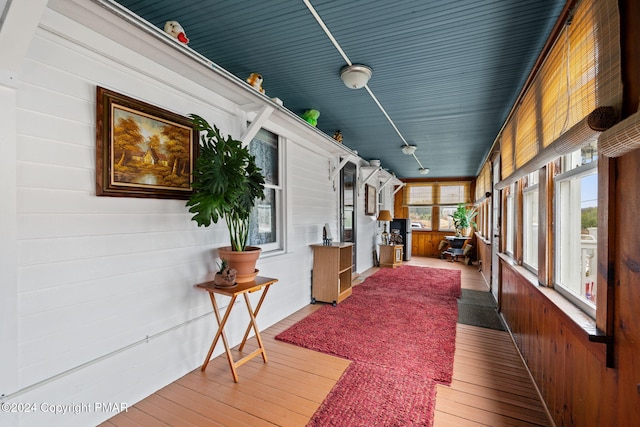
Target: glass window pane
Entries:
(265, 147)
(420, 217)
(265, 223)
(581, 157)
(262, 228)
(530, 230)
(446, 222)
(576, 262)
(589, 153)
(510, 214)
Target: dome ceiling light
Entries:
(355, 76)
(409, 149)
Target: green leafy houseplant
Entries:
(226, 182)
(223, 265)
(463, 218)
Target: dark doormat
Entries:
(478, 308)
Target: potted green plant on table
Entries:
(227, 183)
(463, 219)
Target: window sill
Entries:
(482, 239)
(583, 325)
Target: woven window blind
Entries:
(622, 138)
(434, 194)
(419, 194)
(479, 185)
(453, 193)
(486, 172)
(553, 90)
(526, 138)
(483, 182)
(506, 149)
(580, 74)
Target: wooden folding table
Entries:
(243, 289)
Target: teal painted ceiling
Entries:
(447, 73)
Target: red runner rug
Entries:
(399, 328)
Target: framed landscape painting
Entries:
(142, 150)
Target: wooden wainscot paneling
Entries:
(569, 370)
(425, 243)
(626, 298)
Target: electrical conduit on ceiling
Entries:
(348, 61)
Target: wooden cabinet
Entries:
(390, 256)
(332, 270)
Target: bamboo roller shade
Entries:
(581, 73)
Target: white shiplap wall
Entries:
(106, 308)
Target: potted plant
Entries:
(463, 219)
(226, 184)
(226, 276)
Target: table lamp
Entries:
(385, 215)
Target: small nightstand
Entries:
(390, 256)
(332, 271)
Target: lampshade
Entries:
(385, 215)
(355, 76)
(409, 149)
(423, 171)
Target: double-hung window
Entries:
(450, 194)
(266, 223)
(576, 211)
(431, 204)
(420, 201)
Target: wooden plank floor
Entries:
(490, 384)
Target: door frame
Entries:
(350, 169)
(496, 217)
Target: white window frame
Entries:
(441, 215)
(560, 234)
(510, 221)
(278, 244)
(530, 223)
(417, 221)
